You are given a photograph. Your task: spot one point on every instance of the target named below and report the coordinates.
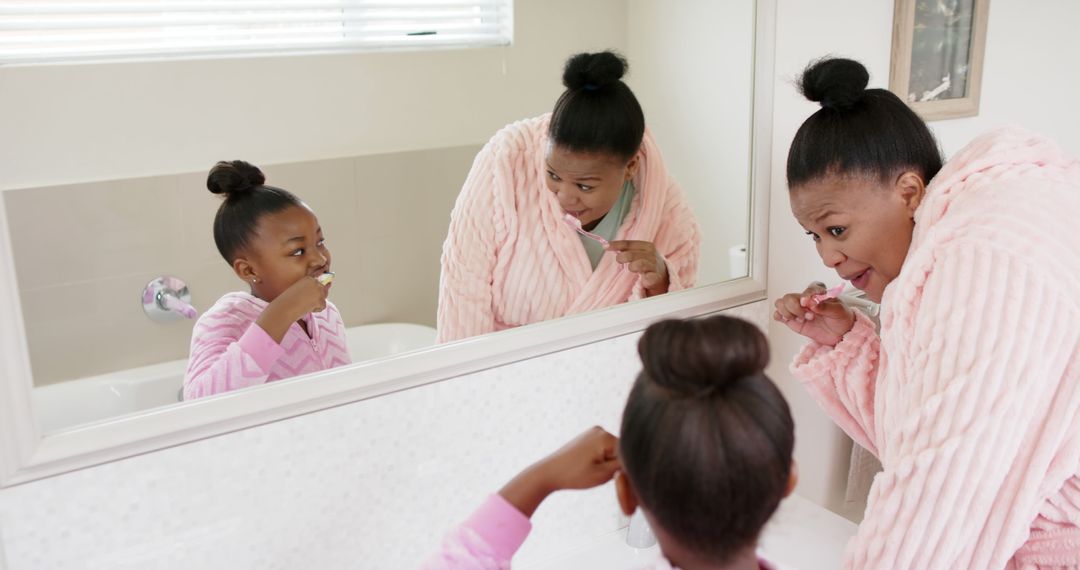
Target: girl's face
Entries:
(287, 246)
(587, 184)
(862, 227)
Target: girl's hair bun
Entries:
(594, 71)
(695, 358)
(234, 178)
(836, 83)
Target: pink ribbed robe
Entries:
(510, 260)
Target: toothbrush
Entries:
(575, 224)
(832, 293)
(325, 278)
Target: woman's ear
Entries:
(632, 167)
(625, 493)
(910, 189)
(793, 478)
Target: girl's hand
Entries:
(587, 461)
(642, 258)
(305, 296)
(826, 322)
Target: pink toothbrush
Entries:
(832, 293)
(575, 223)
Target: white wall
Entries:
(1029, 79)
(691, 66)
(64, 124)
(1030, 75)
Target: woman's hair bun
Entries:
(234, 178)
(594, 71)
(694, 358)
(836, 83)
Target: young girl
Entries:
(285, 326)
(706, 452)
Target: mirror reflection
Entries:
(642, 144)
(565, 213)
(283, 325)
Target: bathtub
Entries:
(95, 398)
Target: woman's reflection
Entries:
(513, 257)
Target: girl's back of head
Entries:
(707, 438)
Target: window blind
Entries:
(49, 31)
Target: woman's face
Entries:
(587, 184)
(862, 227)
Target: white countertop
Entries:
(802, 535)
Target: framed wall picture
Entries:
(937, 56)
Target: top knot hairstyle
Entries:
(707, 439)
(597, 112)
(857, 131)
(247, 199)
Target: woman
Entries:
(511, 258)
(970, 393)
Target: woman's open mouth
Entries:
(860, 281)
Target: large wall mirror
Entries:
(104, 195)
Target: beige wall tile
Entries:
(197, 209)
(84, 232)
(90, 328)
(404, 212)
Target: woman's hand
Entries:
(305, 296)
(826, 322)
(587, 461)
(642, 258)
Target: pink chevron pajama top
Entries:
(490, 537)
(970, 394)
(229, 351)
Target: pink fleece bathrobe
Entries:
(509, 258)
(970, 394)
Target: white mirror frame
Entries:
(26, 454)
